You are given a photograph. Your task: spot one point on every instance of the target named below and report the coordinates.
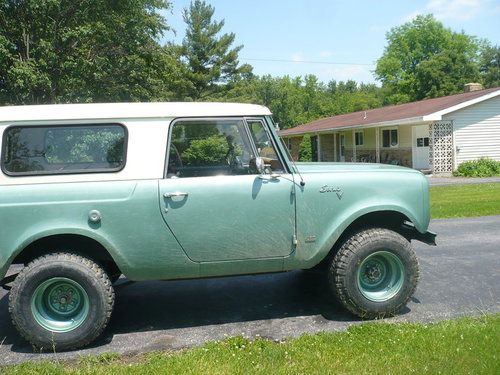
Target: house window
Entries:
(423, 142)
(390, 138)
(359, 138)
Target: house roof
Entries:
(415, 112)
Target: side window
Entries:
(209, 147)
(41, 150)
(359, 138)
(265, 148)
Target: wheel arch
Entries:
(387, 218)
(74, 243)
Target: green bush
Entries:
(483, 167)
(305, 149)
(209, 151)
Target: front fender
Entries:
(311, 257)
(329, 203)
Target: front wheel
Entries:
(374, 273)
(61, 301)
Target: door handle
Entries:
(175, 194)
(269, 177)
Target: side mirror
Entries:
(260, 165)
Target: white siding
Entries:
(477, 131)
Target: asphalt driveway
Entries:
(458, 277)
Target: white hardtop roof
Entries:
(128, 110)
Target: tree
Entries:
(490, 66)
(305, 149)
(210, 60)
(423, 59)
(447, 71)
(89, 50)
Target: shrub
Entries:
(210, 151)
(483, 167)
(305, 149)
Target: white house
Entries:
(434, 134)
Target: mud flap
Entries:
(410, 232)
(8, 280)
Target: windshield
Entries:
(282, 141)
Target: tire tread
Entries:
(98, 273)
(338, 270)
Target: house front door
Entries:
(420, 147)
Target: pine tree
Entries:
(210, 60)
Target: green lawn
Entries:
(465, 200)
(464, 346)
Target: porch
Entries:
(405, 145)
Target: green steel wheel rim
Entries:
(380, 276)
(60, 304)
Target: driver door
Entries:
(214, 201)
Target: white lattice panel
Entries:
(441, 147)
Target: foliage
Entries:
(482, 167)
(305, 149)
(465, 200)
(490, 66)
(423, 59)
(211, 63)
(91, 50)
(464, 346)
(107, 51)
(84, 145)
(208, 151)
(55, 51)
(299, 100)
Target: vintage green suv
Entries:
(163, 191)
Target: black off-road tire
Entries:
(345, 270)
(92, 279)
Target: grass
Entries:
(465, 200)
(463, 346)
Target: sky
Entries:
(332, 39)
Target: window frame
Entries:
(423, 142)
(265, 125)
(362, 132)
(390, 137)
(224, 118)
(284, 154)
(63, 172)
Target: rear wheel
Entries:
(374, 273)
(61, 301)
